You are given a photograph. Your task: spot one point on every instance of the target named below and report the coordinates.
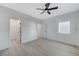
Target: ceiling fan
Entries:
(47, 8)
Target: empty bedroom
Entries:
(39, 29)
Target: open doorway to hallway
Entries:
(15, 31)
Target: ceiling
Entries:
(31, 9)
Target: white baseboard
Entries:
(66, 43)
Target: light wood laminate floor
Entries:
(41, 47)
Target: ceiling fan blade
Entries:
(48, 12)
(40, 9)
(53, 8)
(47, 5)
(43, 12)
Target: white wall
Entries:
(4, 32)
(29, 31)
(78, 27)
(52, 28)
(5, 15)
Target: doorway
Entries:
(15, 31)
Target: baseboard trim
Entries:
(62, 42)
(65, 43)
(28, 42)
(2, 51)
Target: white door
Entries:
(15, 30)
(44, 30)
(38, 30)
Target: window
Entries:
(64, 27)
